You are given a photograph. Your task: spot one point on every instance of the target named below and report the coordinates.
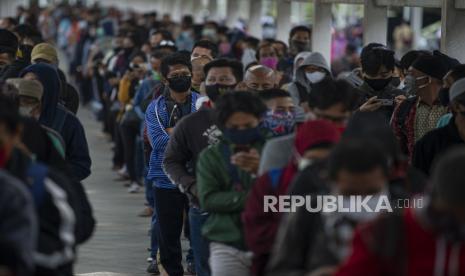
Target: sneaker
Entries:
(190, 269)
(147, 212)
(134, 188)
(153, 268)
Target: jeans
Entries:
(200, 245)
(169, 206)
(226, 260)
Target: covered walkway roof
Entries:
(375, 17)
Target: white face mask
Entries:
(26, 110)
(315, 76)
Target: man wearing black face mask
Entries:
(416, 116)
(420, 239)
(225, 174)
(160, 118)
(377, 92)
(300, 40)
(193, 134)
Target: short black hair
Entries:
(238, 101)
(372, 59)
(273, 93)
(300, 28)
(28, 31)
(407, 60)
(158, 54)
(329, 92)
(9, 114)
(207, 44)
(252, 41)
(236, 67)
(138, 53)
(166, 35)
(174, 59)
(357, 156)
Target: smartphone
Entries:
(386, 102)
(241, 148)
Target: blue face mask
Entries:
(279, 123)
(242, 136)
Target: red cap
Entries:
(315, 132)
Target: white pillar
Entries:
(255, 16)
(232, 12)
(284, 20)
(452, 33)
(416, 23)
(374, 23)
(197, 8)
(213, 9)
(321, 35)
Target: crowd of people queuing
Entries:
(208, 120)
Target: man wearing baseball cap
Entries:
(30, 96)
(438, 141)
(44, 52)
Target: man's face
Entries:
(337, 114)
(29, 107)
(5, 24)
(301, 36)
(155, 39)
(220, 75)
(200, 51)
(31, 76)
(363, 183)
(267, 52)
(284, 104)
(155, 63)
(259, 81)
(423, 83)
(128, 43)
(241, 121)
(5, 60)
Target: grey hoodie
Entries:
(300, 79)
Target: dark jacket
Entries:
(18, 226)
(389, 92)
(298, 230)
(191, 135)
(434, 144)
(63, 211)
(57, 117)
(68, 94)
(302, 235)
